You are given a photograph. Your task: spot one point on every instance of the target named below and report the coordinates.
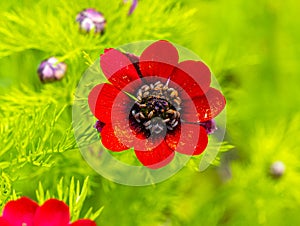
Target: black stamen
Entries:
(156, 109)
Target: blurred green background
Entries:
(253, 49)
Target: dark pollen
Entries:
(156, 109)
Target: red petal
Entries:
(119, 70)
(172, 137)
(111, 141)
(4, 222)
(84, 223)
(192, 142)
(193, 77)
(208, 106)
(158, 59)
(52, 212)
(20, 211)
(157, 157)
(103, 97)
(118, 135)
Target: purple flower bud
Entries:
(132, 7)
(51, 70)
(90, 19)
(210, 126)
(99, 126)
(277, 169)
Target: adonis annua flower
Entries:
(155, 104)
(25, 212)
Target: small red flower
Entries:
(24, 211)
(155, 104)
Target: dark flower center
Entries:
(156, 109)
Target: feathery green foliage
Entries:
(73, 195)
(252, 48)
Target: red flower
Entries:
(24, 211)
(154, 103)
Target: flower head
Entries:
(24, 211)
(90, 19)
(51, 69)
(155, 104)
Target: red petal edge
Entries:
(157, 157)
(52, 212)
(118, 69)
(84, 222)
(158, 59)
(193, 141)
(208, 106)
(102, 98)
(192, 76)
(20, 211)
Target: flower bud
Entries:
(51, 69)
(99, 126)
(277, 169)
(91, 20)
(132, 7)
(210, 126)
